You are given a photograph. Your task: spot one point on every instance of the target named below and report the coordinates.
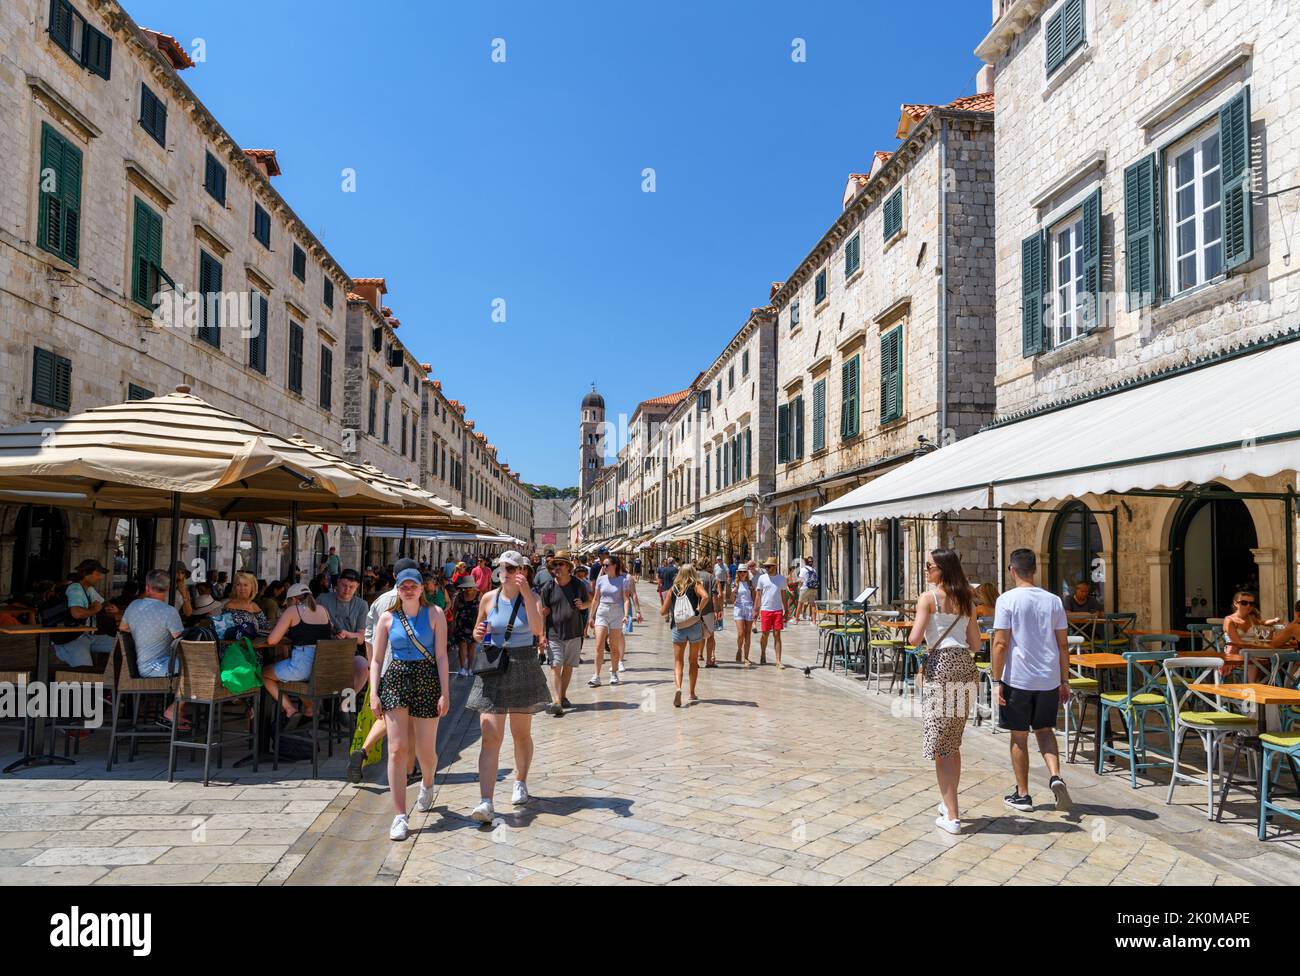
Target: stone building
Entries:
(1146, 301)
(142, 248)
(884, 350)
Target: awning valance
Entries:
(1227, 420)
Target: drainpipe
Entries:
(943, 279)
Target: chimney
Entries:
(264, 160)
(984, 80)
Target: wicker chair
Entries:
(122, 678)
(200, 684)
(71, 727)
(24, 723)
(331, 676)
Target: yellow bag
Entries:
(365, 720)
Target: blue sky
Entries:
(522, 181)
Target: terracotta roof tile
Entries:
(668, 400)
(386, 310)
(170, 47)
(916, 111)
(394, 322)
(427, 367)
(382, 283)
(858, 178)
(354, 297)
(982, 102)
(882, 157)
(266, 156)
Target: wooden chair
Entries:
(200, 685)
(24, 723)
(331, 676)
(122, 678)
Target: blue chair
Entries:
(845, 641)
(1276, 745)
(1206, 637)
(1143, 696)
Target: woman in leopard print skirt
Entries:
(945, 621)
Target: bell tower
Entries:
(591, 426)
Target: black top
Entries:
(563, 619)
(303, 633)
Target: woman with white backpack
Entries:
(684, 604)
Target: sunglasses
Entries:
(1246, 603)
(930, 566)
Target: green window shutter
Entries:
(717, 464)
(51, 379)
(146, 252)
(891, 375)
(50, 180)
(1032, 290)
(852, 258)
(894, 213)
(1072, 27)
(783, 433)
(70, 195)
(797, 417)
(61, 24)
(134, 392)
(1054, 39)
(329, 293)
(849, 403)
(708, 471)
(749, 453)
(1234, 143)
(295, 366)
(214, 179)
(1092, 260)
(819, 288)
(210, 286)
(153, 115)
(1141, 217)
(96, 52)
(819, 416)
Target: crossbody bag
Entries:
(490, 659)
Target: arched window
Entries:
(198, 537)
(1076, 552)
(39, 542)
(249, 556)
(318, 550)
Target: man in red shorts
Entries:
(771, 609)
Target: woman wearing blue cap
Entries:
(414, 684)
(509, 617)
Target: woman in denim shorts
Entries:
(303, 623)
(690, 631)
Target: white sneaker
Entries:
(483, 813)
(613, 678)
(398, 830)
(621, 667)
(594, 682)
(520, 795)
(951, 826)
(425, 799)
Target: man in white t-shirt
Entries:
(1031, 674)
(771, 609)
(808, 581)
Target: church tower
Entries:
(592, 428)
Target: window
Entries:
(376, 339)
(1075, 550)
(261, 225)
(1067, 263)
(146, 254)
(719, 390)
(388, 410)
(717, 462)
(796, 427)
(134, 392)
(214, 179)
(299, 263)
(749, 453)
(295, 356)
(731, 378)
(1195, 211)
(783, 433)
(894, 213)
(744, 364)
(403, 439)
(326, 377)
(257, 339)
(794, 313)
(819, 287)
(819, 416)
(84, 44)
(1063, 33)
(51, 380)
(852, 254)
(708, 464)
(59, 215)
(153, 115)
(328, 296)
(371, 415)
(849, 408)
(891, 375)
(210, 274)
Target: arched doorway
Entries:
(133, 551)
(249, 554)
(1210, 557)
(198, 535)
(40, 535)
(1076, 551)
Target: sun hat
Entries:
(298, 589)
(409, 576)
(562, 557)
(770, 561)
(511, 558)
(467, 583)
(205, 605)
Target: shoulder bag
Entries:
(490, 659)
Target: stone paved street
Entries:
(773, 777)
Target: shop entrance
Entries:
(1210, 558)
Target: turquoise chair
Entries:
(1194, 711)
(1143, 697)
(1206, 637)
(845, 640)
(882, 643)
(1117, 633)
(1280, 746)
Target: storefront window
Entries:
(1076, 552)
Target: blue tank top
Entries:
(399, 644)
(521, 635)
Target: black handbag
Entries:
(493, 660)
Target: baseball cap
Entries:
(411, 575)
(511, 558)
(298, 589)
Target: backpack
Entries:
(684, 612)
(813, 581)
(54, 611)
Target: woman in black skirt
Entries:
(509, 617)
(414, 633)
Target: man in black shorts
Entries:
(1031, 672)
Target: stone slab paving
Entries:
(772, 778)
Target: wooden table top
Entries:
(18, 631)
(1099, 659)
(1154, 633)
(1257, 693)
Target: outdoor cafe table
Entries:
(43, 635)
(1264, 697)
(1101, 662)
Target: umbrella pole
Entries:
(234, 551)
(175, 546)
(362, 558)
(404, 553)
(293, 542)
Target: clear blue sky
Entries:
(522, 180)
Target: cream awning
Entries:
(699, 525)
(1223, 421)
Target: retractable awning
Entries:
(1225, 420)
(699, 525)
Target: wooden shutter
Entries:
(329, 298)
(1092, 260)
(717, 463)
(1234, 148)
(1062, 33)
(849, 398)
(295, 359)
(50, 217)
(61, 24)
(851, 256)
(783, 433)
(891, 375)
(749, 452)
(96, 52)
(796, 418)
(70, 197)
(819, 288)
(819, 416)
(1141, 218)
(146, 252)
(1032, 290)
(210, 288)
(894, 213)
(43, 377)
(134, 392)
